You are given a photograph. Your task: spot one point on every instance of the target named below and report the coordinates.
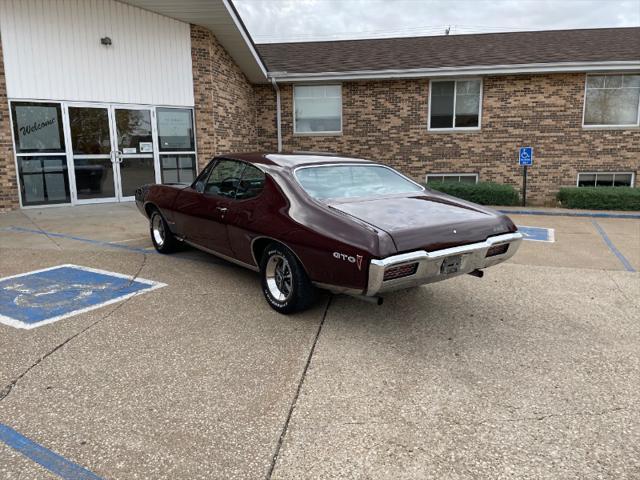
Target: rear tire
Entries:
(285, 284)
(161, 236)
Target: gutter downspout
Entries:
(278, 113)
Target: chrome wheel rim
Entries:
(279, 278)
(157, 229)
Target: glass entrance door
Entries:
(92, 151)
(113, 151)
(135, 159)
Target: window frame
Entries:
(216, 162)
(605, 126)
(325, 133)
(455, 95)
(193, 152)
(17, 155)
(475, 175)
(60, 117)
(633, 177)
(177, 169)
(264, 186)
(64, 105)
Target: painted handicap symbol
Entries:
(36, 298)
(53, 295)
(537, 234)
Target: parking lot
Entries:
(530, 372)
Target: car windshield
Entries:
(353, 181)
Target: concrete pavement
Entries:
(530, 372)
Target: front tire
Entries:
(161, 236)
(285, 284)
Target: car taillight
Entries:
(391, 273)
(497, 250)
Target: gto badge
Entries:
(349, 258)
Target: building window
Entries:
(40, 153)
(612, 100)
(177, 145)
(455, 104)
(606, 179)
(318, 109)
(178, 168)
(452, 177)
(43, 180)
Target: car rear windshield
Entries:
(353, 181)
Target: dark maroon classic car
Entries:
(310, 220)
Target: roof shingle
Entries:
(489, 49)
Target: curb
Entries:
(571, 214)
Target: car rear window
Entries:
(353, 181)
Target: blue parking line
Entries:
(80, 239)
(53, 462)
(627, 265)
(572, 214)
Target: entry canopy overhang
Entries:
(221, 17)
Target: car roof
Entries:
(291, 160)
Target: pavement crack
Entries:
(6, 391)
(292, 407)
(43, 232)
(540, 417)
(137, 274)
(622, 292)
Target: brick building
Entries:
(95, 101)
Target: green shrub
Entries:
(484, 193)
(600, 198)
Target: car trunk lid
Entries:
(425, 222)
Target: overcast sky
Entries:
(305, 20)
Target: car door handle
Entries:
(222, 209)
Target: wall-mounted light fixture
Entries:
(106, 41)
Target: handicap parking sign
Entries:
(40, 297)
(526, 156)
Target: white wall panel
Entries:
(52, 51)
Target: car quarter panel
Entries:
(163, 197)
(333, 248)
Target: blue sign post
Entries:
(525, 159)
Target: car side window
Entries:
(201, 179)
(251, 184)
(225, 178)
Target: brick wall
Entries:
(8, 183)
(386, 121)
(224, 99)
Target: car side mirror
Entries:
(199, 187)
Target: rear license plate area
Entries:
(451, 265)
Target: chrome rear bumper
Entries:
(472, 257)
